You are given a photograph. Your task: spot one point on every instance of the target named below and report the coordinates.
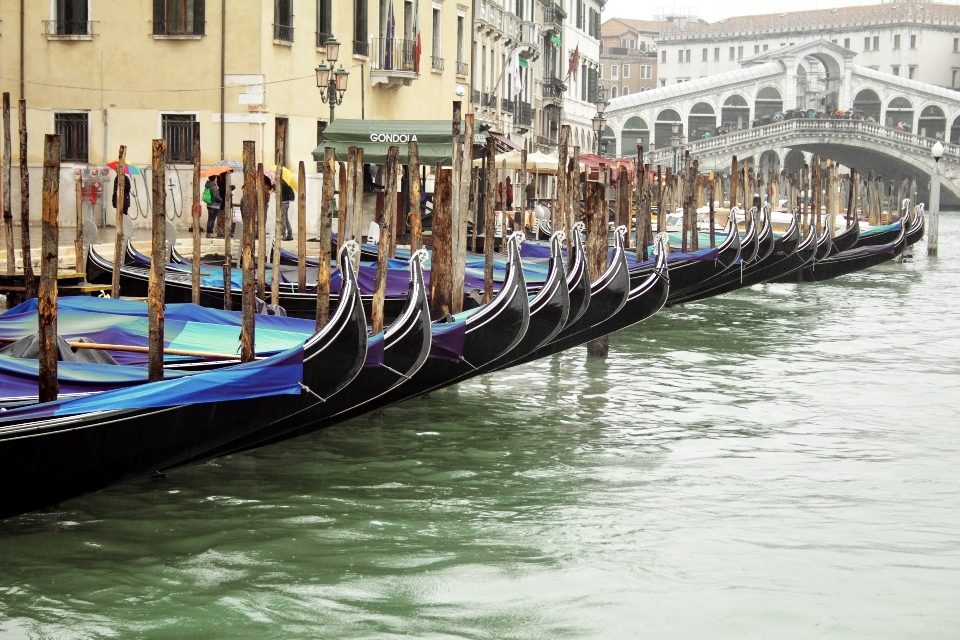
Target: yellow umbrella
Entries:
(286, 175)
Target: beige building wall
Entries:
(126, 76)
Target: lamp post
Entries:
(332, 84)
(599, 122)
(937, 153)
(675, 144)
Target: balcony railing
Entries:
(322, 38)
(68, 28)
(436, 63)
(393, 54)
(179, 28)
(283, 32)
(523, 113)
(553, 87)
(553, 17)
(475, 96)
(506, 105)
(361, 48)
(462, 68)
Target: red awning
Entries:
(593, 163)
(504, 143)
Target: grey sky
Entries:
(718, 9)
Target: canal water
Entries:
(781, 462)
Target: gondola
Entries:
(801, 258)
(749, 246)
(59, 450)
(846, 240)
(403, 350)
(856, 259)
(917, 227)
(884, 234)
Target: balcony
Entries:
(553, 16)
(436, 63)
(361, 48)
(485, 100)
(506, 105)
(527, 38)
(178, 29)
(475, 97)
(283, 33)
(523, 114)
(462, 68)
(553, 88)
(322, 39)
(392, 64)
(68, 29)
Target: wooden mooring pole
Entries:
(490, 220)
(196, 211)
(734, 182)
(558, 215)
(248, 212)
(302, 228)
(158, 263)
(388, 216)
(851, 197)
(49, 386)
(261, 225)
(441, 277)
(8, 187)
(227, 214)
(121, 197)
(595, 216)
(459, 214)
(29, 282)
(278, 213)
(325, 235)
(78, 238)
(413, 170)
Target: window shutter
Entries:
(159, 17)
(199, 17)
(592, 85)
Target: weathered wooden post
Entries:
(666, 200)
(158, 263)
(460, 208)
(489, 221)
(521, 189)
(696, 178)
(559, 213)
(413, 169)
(325, 235)
(248, 306)
(623, 201)
(662, 181)
(711, 195)
(686, 203)
(29, 282)
(358, 203)
(49, 385)
(261, 235)
(302, 228)
(474, 206)
(195, 213)
(227, 214)
(441, 263)
(815, 194)
(118, 245)
(734, 182)
(388, 216)
(280, 137)
(574, 196)
(595, 216)
(346, 229)
(870, 199)
(78, 239)
(8, 187)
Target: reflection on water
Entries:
(778, 462)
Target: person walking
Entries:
(287, 195)
(126, 193)
(213, 199)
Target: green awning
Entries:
(555, 39)
(523, 62)
(434, 138)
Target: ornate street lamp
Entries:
(332, 84)
(937, 153)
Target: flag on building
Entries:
(418, 47)
(515, 71)
(574, 64)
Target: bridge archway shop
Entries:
(867, 102)
(663, 130)
(635, 130)
(735, 114)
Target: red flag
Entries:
(574, 64)
(418, 48)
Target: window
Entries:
(435, 50)
(324, 21)
(625, 91)
(626, 71)
(834, 41)
(283, 20)
(646, 71)
(679, 55)
(732, 53)
(601, 71)
(896, 41)
(739, 52)
(765, 47)
(663, 82)
(178, 17)
(688, 55)
(460, 44)
(71, 19)
(756, 48)
(716, 53)
(360, 46)
(682, 80)
(614, 72)
(876, 43)
(846, 43)
(579, 14)
(663, 56)
(955, 78)
(866, 44)
(913, 42)
(895, 69)
(74, 132)
(956, 45)
(178, 134)
(633, 44)
(913, 72)
(704, 55)
(613, 91)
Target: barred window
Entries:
(179, 17)
(283, 20)
(74, 132)
(72, 18)
(178, 134)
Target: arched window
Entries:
(955, 131)
(613, 92)
(634, 130)
(702, 122)
(867, 103)
(667, 120)
(625, 91)
(735, 113)
(932, 122)
(768, 104)
(900, 114)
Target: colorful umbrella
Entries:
(129, 169)
(215, 171)
(285, 174)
